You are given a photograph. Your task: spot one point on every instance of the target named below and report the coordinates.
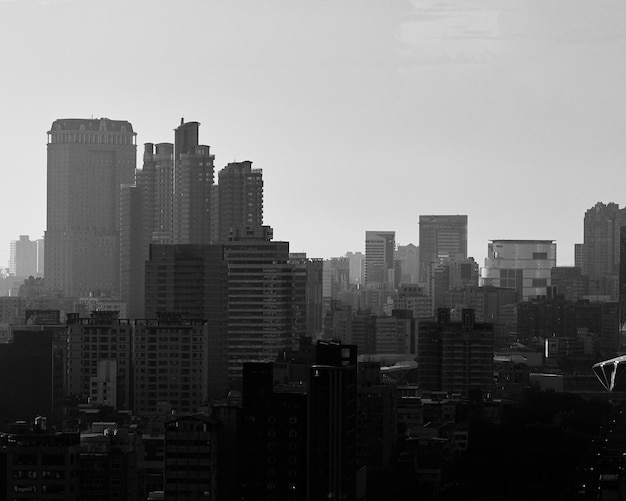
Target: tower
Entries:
(240, 198)
(88, 161)
(601, 248)
(441, 237)
(169, 203)
(380, 248)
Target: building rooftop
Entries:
(91, 125)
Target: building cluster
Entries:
(171, 348)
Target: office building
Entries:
(253, 296)
(191, 447)
(569, 282)
(332, 421)
(98, 356)
(441, 236)
(23, 256)
(32, 376)
(408, 264)
(171, 361)
(455, 357)
(380, 249)
(274, 435)
(267, 301)
(523, 265)
(601, 248)
(88, 161)
(240, 199)
(191, 281)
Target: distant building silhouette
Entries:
(169, 203)
(441, 236)
(380, 247)
(240, 199)
(88, 161)
(24, 257)
(601, 248)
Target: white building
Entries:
(523, 265)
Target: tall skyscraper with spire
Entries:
(88, 161)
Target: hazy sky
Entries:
(362, 114)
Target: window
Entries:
(540, 282)
(540, 255)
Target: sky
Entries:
(363, 114)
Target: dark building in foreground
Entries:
(39, 464)
(273, 453)
(332, 422)
(191, 458)
(455, 357)
(32, 372)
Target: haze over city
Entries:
(362, 115)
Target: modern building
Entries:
(171, 362)
(267, 301)
(191, 447)
(601, 248)
(408, 264)
(455, 357)
(88, 161)
(569, 282)
(273, 433)
(523, 265)
(170, 202)
(191, 281)
(32, 376)
(23, 257)
(252, 294)
(99, 354)
(240, 199)
(441, 236)
(380, 249)
(332, 421)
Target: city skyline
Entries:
(512, 110)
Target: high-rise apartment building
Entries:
(523, 265)
(240, 199)
(380, 247)
(332, 420)
(440, 237)
(171, 364)
(99, 355)
(169, 203)
(23, 256)
(455, 357)
(88, 161)
(601, 248)
(253, 295)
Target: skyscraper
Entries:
(169, 203)
(23, 257)
(601, 248)
(380, 249)
(441, 237)
(88, 161)
(240, 198)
